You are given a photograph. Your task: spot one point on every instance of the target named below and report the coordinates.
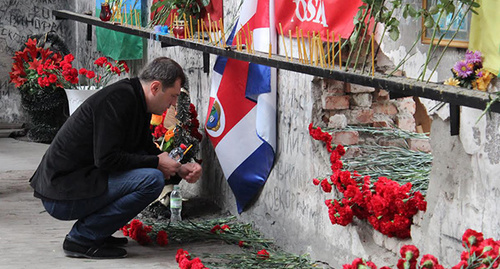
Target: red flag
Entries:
(317, 15)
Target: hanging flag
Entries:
(318, 16)
(484, 34)
(241, 117)
(117, 45)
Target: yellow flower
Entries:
(156, 119)
(482, 82)
(452, 82)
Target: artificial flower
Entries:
(469, 73)
(452, 82)
(462, 69)
(474, 57)
(35, 68)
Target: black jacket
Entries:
(108, 132)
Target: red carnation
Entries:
(327, 187)
(215, 229)
(101, 61)
(82, 71)
(316, 181)
(263, 255)
(409, 252)
(430, 262)
(162, 238)
(472, 238)
(90, 74)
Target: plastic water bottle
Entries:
(175, 204)
(177, 153)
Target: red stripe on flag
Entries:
(319, 16)
(231, 95)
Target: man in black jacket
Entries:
(103, 168)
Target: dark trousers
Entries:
(128, 193)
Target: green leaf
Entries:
(433, 10)
(412, 11)
(450, 8)
(157, 5)
(394, 33)
(405, 11)
(429, 22)
(205, 2)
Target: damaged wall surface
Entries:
(291, 210)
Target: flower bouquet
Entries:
(178, 125)
(469, 73)
(93, 78)
(35, 72)
(88, 81)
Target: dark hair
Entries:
(165, 70)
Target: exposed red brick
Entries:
(359, 116)
(381, 124)
(398, 142)
(406, 122)
(387, 108)
(380, 95)
(345, 137)
(333, 87)
(361, 99)
(406, 105)
(353, 88)
(336, 102)
(417, 144)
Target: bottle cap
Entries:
(183, 147)
(176, 187)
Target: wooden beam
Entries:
(396, 85)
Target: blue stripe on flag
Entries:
(258, 82)
(220, 63)
(251, 175)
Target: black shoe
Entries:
(115, 241)
(75, 250)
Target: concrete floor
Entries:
(30, 238)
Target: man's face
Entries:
(165, 98)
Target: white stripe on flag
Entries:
(216, 79)
(238, 144)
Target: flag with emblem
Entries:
(241, 117)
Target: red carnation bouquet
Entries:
(36, 68)
(96, 77)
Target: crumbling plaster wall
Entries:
(463, 191)
(291, 210)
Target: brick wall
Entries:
(350, 104)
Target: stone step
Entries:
(6, 129)
(8, 132)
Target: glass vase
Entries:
(105, 12)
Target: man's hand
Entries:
(190, 172)
(167, 165)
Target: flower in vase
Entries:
(96, 77)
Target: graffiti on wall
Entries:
(18, 20)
